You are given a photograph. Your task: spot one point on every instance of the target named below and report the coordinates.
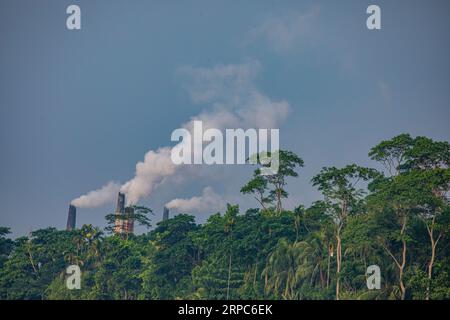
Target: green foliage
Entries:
(273, 184)
(6, 245)
(173, 259)
(392, 153)
(398, 220)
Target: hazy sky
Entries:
(79, 109)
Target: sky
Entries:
(80, 108)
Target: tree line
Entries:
(397, 218)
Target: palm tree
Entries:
(281, 269)
(93, 238)
(312, 261)
(87, 241)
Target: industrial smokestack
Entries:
(71, 218)
(120, 205)
(165, 214)
(120, 210)
(123, 225)
(128, 225)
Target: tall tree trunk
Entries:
(229, 277)
(401, 270)
(261, 200)
(322, 278)
(339, 246)
(430, 267)
(266, 278)
(402, 266)
(328, 267)
(433, 243)
(278, 201)
(338, 262)
(286, 288)
(30, 256)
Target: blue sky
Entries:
(80, 108)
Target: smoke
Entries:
(156, 166)
(233, 98)
(98, 197)
(233, 102)
(206, 203)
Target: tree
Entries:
(396, 199)
(299, 213)
(118, 275)
(426, 154)
(392, 153)
(425, 164)
(433, 159)
(174, 257)
(282, 269)
(230, 221)
(339, 187)
(33, 263)
(288, 163)
(258, 187)
(6, 245)
(313, 262)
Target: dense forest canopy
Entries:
(397, 219)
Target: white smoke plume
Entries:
(208, 202)
(156, 166)
(98, 197)
(234, 102)
(234, 98)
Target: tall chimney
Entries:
(71, 218)
(120, 210)
(120, 205)
(128, 225)
(165, 214)
(123, 225)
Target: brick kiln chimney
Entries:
(71, 218)
(123, 225)
(165, 214)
